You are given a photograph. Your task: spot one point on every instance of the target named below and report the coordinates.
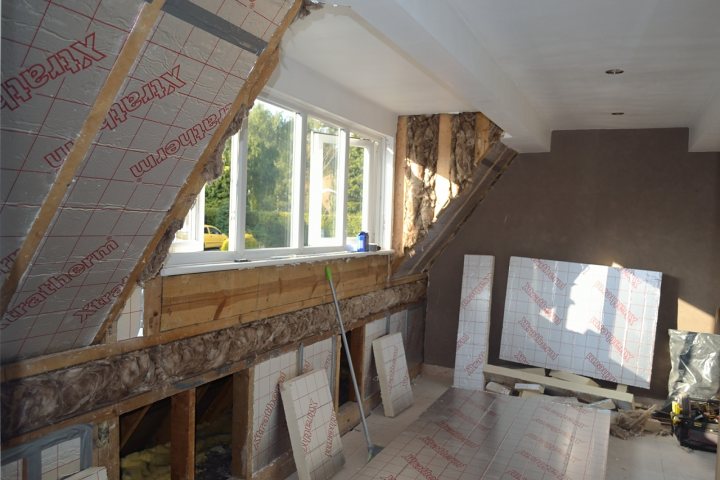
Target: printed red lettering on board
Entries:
(56, 282)
(80, 55)
(158, 87)
(188, 138)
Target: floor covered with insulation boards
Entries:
(641, 458)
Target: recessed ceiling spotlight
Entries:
(617, 113)
(615, 71)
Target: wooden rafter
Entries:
(264, 67)
(89, 130)
(182, 436)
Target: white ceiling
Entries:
(531, 66)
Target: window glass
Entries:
(217, 206)
(268, 219)
(357, 194)
(323, 195)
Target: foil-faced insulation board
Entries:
(471, 349)
(55, 59)
(313, 427)
(587, 319)
(270, 435)
(373, 331)
(472, 435)
(395, 388)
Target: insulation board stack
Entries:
(395, 388)
(471, 435)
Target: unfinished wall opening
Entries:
(145, 441)
(346, 391)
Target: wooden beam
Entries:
(182, 436)
(154, 372)
(152, 306)
(89, 130)
(398, 211)
(242, 418)
(263, 69)
(557, 383)
(443, 187)
(129, 424)
(106, 446)
(47, 363)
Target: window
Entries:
(294, 182)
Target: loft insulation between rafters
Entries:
(178, 91)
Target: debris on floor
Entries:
(631, 423)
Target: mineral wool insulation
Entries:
(55, 59)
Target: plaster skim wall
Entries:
(635, 197)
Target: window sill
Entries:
(248, 264)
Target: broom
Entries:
(372, 449)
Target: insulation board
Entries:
(61, 460)
(176, 94)
(320, 356)
(471, 435)
(395, 388)
(373, 331)
(94, 473)
(270, 436)
(471, 349)
(313, 426)
(592, 320)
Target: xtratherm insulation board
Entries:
(591, 320)
(94, 473)
(373, 331)
(56, 57)
(395, 388)
(313, 426)
(320, 356)
(474, 322)
(472, 435)
(270, 435)
(175, 96)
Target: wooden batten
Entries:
(242, 418)
(399, 185)
(106, 446)
(182, 436)
(443, 183)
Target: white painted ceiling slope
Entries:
(531, 66)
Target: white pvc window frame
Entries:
(377, 194)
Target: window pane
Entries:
(355, 190)
(268, 219)
(322, 202)
(217, 207)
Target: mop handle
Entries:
(328, 274)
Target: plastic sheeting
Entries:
(695, 362)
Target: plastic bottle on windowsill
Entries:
(362, 240)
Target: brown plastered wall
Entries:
(635, 197)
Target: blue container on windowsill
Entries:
(362, 242)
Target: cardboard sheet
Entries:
(472, 435)
(395, 388)
(313, 427)
(591, 320)
(270, 435)
(471, 350)
(174, 98)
